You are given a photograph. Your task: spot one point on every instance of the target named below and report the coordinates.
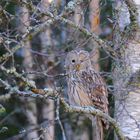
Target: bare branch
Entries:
(69, 108)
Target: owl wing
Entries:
(96, 89)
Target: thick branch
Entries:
(54, 93)
(95, 112)
(40, 93)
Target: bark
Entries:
(127, 102)
(78, 16)
(47, 109)
(30, 107)
(95, 27)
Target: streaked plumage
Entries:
(85, 86)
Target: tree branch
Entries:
(40, 93)
(32, 31)
(44, 93)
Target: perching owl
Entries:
(85, 86)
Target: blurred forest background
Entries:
(35, 37)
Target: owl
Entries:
(85, 86)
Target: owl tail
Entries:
(97, 127)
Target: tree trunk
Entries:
(126, 82)
(95, 27)
(47, 108)
(30, 107)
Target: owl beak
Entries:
(77, 67)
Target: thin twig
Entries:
(58, 118)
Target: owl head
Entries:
(77, 61)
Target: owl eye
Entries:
(73, 61)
